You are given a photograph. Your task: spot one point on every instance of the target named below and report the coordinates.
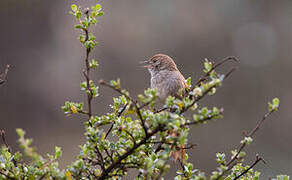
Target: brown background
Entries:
(37, 38)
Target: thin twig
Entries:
(120, 112)
(223, 61)
(43, 176)
(146, 104)
(7, 176)
(3, 136)
(86, 72)
(101, 160)
(258, 159)
(231, 163)
(109, 155)
(198, 98)
(251, 134)
(131, 135)
(203, 120)
(115, 164)
(160, 110)
(102, 82)
(182, 167)
(3, 76)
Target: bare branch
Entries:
(231, 162)
(3, 76)
(251, 134)
(3, 136)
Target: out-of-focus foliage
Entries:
(136, 134)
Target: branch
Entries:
(115, 164)
(160, 110)
(258, 159)
(251, 134)
(131, 135)
(197, 99)
(7, 176)
(102, 82)
(223, 61)
(120, 112)
(3, 136)
(203, 120)
(230, 163)
(3, 76)
(210, 88)
(201, 80)
(101, 160)
(86, 72)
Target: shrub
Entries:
(135, 134)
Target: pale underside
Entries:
(167, 83)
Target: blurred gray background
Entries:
(39, 41)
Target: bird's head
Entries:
(160, 62)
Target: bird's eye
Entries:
(154, 61)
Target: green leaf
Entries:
(93, 64)
(283, 177)
(98, 7)
(100, 13)
(78, 26)
(58, 152)
(274, 105)
(74, 7)
(20, 132)
(207, 66)
(189, 81)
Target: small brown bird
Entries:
(168, 81)
(165, 77)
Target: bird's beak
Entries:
(146, 64)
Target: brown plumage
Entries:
(167, 80)
(165, 77)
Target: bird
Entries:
(165, 77)
(168, 81)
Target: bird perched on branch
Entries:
(165, 77)
(168, 81)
